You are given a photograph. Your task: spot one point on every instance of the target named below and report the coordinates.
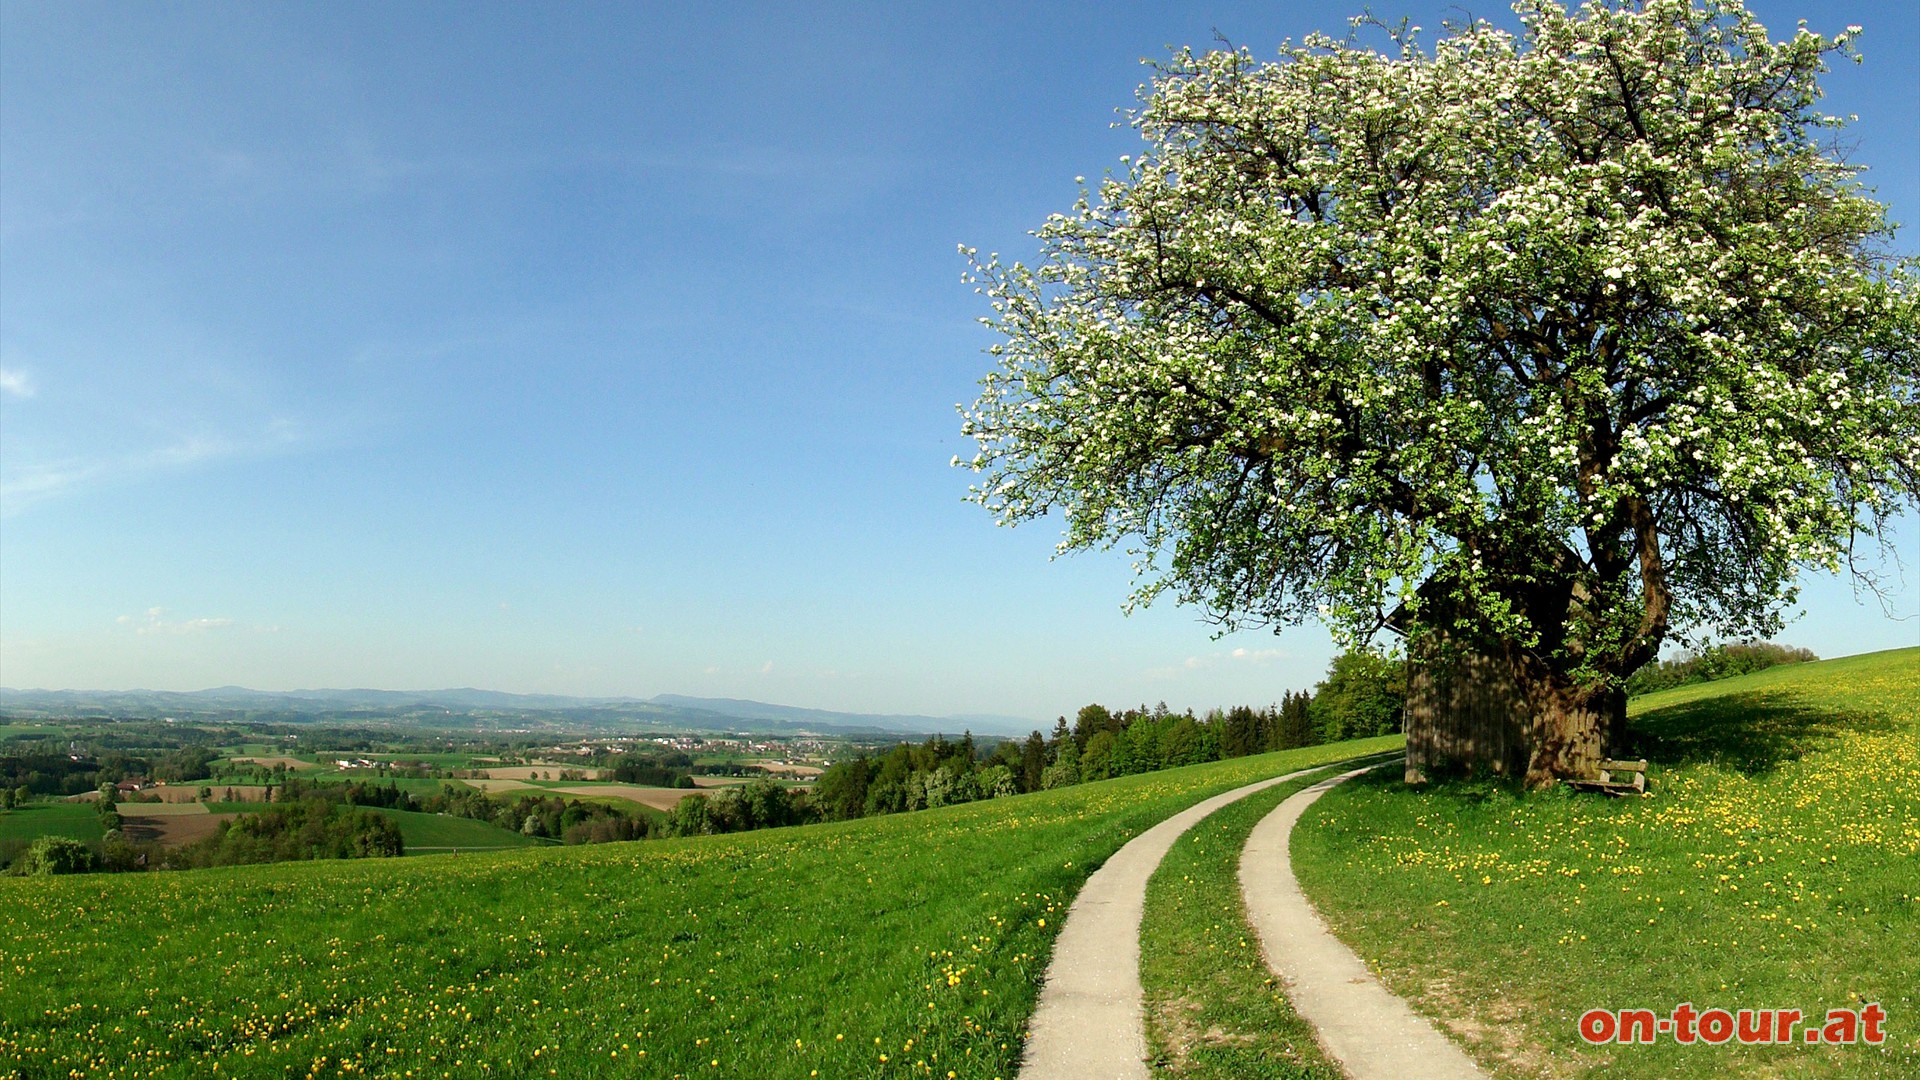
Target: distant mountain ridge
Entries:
(493, 707)
(984, 724)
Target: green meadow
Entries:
(80, 821)
(1774, 864)
(613, 802)
(430, 832)
(904, 945)
(32, 731)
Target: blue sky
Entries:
(596, 349)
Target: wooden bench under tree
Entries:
(1604, 780)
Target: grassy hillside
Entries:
(422, 833)
(909, 945)
(1775, 864)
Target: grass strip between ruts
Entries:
(1214, 1010)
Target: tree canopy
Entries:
(1560, 342)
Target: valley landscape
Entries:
(1311, 602)
(914, 944)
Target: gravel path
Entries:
(1370, 1032)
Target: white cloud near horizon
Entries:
(16, 382)
(155, 621)
(1205, 661)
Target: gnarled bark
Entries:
(1572, 730)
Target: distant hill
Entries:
(466, 707)
(979, 724)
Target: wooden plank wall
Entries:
(1463, 714)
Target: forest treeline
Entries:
(1363, 695)
(57, 773)
(545, 817)
(1718, 662)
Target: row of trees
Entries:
(550, 817)
(45, 772)
(1362, 695)
(48, 773)
(761, 804)
(1718, 662)
(308, 829)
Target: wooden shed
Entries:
(1464, 712)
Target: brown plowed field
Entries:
(170, 826)
(660, 798)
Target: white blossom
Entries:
(1466, 315)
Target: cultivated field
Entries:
(163, 809)
(494, 785)
(185, 793)
(800, 772)
(907, 945)
(539, 772)
(292, 763)
(1775, 865)
(170, 824)
(660, 798)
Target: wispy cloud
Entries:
(21, 485)
(24, 483)
(16, 383)
(155, 621)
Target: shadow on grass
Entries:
(1749, 733)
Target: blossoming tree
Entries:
(1556, 343)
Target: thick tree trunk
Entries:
(1573, 730)
(1498, 707)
